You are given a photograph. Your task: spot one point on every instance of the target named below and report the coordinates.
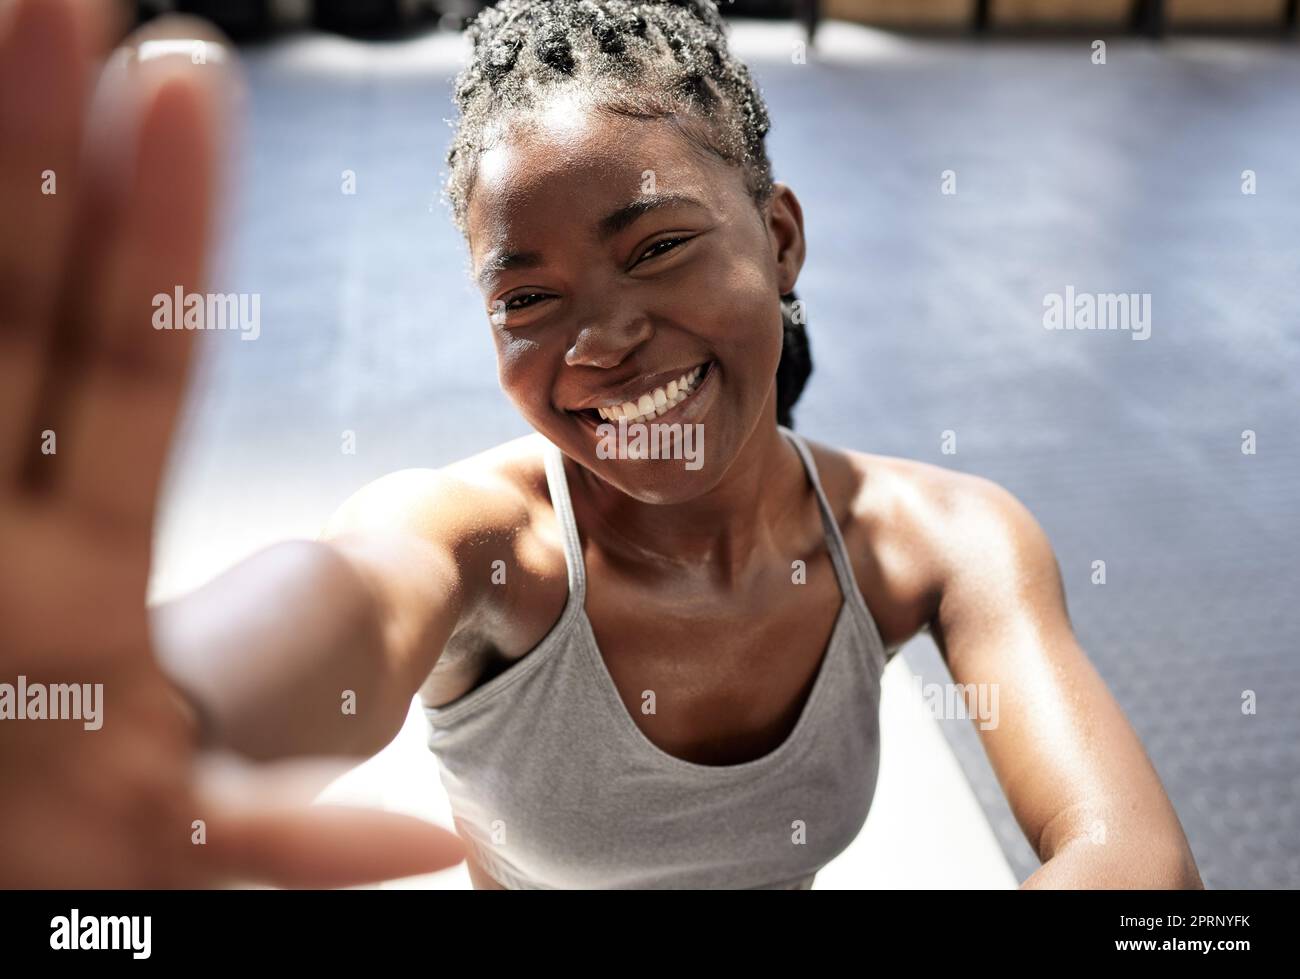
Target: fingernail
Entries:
(110, 123)
(198, 51)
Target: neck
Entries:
(717, 534)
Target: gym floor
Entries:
(926, 316)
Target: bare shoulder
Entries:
(932, 498)
(922, 531)
(472, 523)
(489, 493)
(958, 517)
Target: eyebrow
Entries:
(608, 226)
(626, 215)
(497, 264)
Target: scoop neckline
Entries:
(852, 605)
(771, 759)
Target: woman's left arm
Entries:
(1077, 777)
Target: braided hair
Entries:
(647, 59)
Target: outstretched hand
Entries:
(108, 203)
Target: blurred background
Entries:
(925, 315)
(1150, 17)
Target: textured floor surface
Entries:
(925, 311)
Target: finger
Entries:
(124, 386)
(283, 784)
(261, 828)
(328, 846)
(45, 73)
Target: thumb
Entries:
(328, 846)
(261, 829)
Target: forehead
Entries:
(562, 165)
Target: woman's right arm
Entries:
(313, 647)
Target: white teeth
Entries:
(654, 403)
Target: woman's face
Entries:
(615, 258)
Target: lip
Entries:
(634, 388)
(689, 411)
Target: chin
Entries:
(670, 456)
(687, 464)
(658, 482)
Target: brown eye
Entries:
(526, 295)
(661, 248)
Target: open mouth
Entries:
(654, 403)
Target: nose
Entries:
(607, 341)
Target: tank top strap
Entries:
(558, 483)
(834, 539)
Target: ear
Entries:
(785, 233)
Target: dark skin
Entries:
(668, 546)
(700, 561)
(397, 597)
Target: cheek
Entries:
(522, 369)
(746, 315)
(750, 336)
(768, 332)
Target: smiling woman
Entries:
(636, 674)
(687, 712)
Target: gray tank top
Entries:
(553, 785)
